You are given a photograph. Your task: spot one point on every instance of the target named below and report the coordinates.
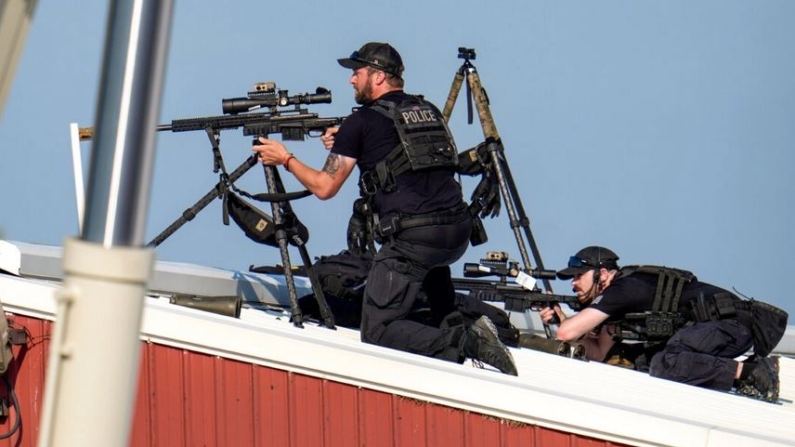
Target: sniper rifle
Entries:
(518, 297)
(293, 124)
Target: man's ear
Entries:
(601, 275)
(380, 77)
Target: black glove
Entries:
(471, 161)
(487, 195)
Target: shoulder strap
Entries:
(384, 172)
(384, 107)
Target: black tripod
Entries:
(286, 222)
(494, 148)
(283, 217)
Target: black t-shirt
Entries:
(369, 136)
(635, 293)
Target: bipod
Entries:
(285, 221)
(219, 190)
(494, 147)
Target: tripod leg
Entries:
(325, 310)
(458, 80)
(495, 150)
(281, 239)
(191, 212)
(288, 216)
(482, 104)
(524, 221)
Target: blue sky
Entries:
(663, 130)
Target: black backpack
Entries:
(344, 274)
(342, 277)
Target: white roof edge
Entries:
(45, 262)
(625, 407)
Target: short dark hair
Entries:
(392, 80)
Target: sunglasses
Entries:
(577, 262)
(355, 56)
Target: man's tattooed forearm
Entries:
(332, 165)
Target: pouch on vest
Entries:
(769, 324)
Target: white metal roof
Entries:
(586, 398)
(44, 262)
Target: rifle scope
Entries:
(472, 270)
(273, 99)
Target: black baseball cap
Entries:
(589, 258)
(377, 55)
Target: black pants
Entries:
(703, 354)
(415, 258)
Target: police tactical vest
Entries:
(425, 142)
(767, 323)
(670, 282)
(664, 319)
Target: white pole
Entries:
(91, 382)
(94, 356)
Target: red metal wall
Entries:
(190, 399)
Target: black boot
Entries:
(762, 381)
(480, 342)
